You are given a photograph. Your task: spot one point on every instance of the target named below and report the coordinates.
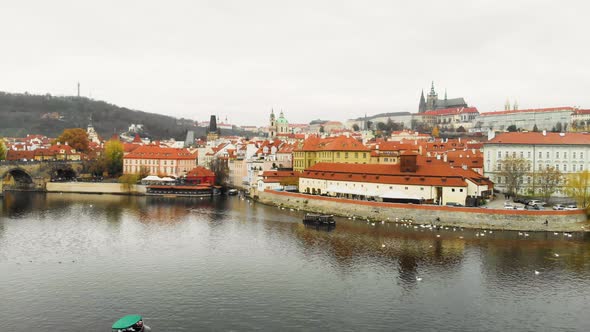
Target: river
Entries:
(71, 262)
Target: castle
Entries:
(433, 103)
(278, 127)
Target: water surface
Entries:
(78, 262)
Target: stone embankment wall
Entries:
(525, 220)
(95, 188)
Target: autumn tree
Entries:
(2, 149)
(514, 169)
(76, 138)
(113, 157)
(578, 187)
(435, 132)
(547, 181)
(221, 170)
(144, 171)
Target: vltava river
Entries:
(79, 262)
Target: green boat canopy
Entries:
(126, 321)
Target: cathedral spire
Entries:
(422, 105)
(445, 93)
(507, 105)
(432, 88)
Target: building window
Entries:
(421, 188)
(574, 155)
(581, 155)
(557, 154)
(346, 155)
(453, 190)
(461, 190)
(521, 154)
(528, 154)
(406, 188)
(565, 155)
(540, 156)
(356, 154)
(548, 155)
(499, 154)
(573, 168)
(564, 167)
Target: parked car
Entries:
(509, 206)
(571, 207)
(534, 207)
(536, 202)
(558, 207)
(522, 200)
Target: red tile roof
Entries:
(13, 155)
(431, 175)
(156, 152)
(386, 174)
(539, 138)
(339, 143)
(199, 171)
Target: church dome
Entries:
(282, 120)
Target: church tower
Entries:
(213, 132)
(432, 98)
(272, 130)
(422, 106)
(282, 125)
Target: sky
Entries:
(330, 59)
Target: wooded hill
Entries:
(22, 114)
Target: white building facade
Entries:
(568, 152)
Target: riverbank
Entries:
(95, 188)
(478, 218)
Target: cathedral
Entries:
(278, 127)
(433, 103)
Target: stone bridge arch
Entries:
(17, 178)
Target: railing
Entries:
(37, 162)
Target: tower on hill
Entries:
(433, 103)
(213, 131)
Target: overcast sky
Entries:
(313, 59)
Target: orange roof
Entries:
(20, 155)
(156, 152)
(433, 175)
(539, 138)
(339, 143)
(551, 109)
(200, 171)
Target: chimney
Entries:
(491, 134)
(544, 132)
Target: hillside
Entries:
(22, 114)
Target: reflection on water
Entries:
(230, 264)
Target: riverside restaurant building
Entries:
(406, 182)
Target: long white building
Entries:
(568, 152)
(543, 118)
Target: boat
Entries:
(232, 192)
(130, 323)
(319, 219)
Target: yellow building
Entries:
(339, 149)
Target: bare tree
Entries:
(514, 169)
(547, 181)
